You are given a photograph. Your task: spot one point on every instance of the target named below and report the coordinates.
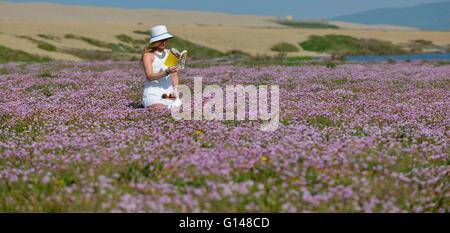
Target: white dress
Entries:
(153, 90)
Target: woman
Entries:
(160, 80)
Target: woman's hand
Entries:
(172, 70)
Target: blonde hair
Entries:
(150, 48)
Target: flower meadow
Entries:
(354, 138)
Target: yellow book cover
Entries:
(175, 58)
(171, 60)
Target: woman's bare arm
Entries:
(148, 67)
(175, 83)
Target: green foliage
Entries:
(40, 44)
(422, 42)
(47, 46)
(321, 122)
(13, 55)
(195, 51)
(102, 44)
(331, 65)
(284, 47)
(304, 24)
(443, 63)
(135, 171)
(48, 89)
(5, 118)
(347, 45)
(4, 71)
(300, 59)
(70, 36)
(96, 55)
(360, 132)
(45, 74)
(142, 32)
(418, 46)
(126, 39)
(265, 60)
(285, 122)
(49, 37)
(341, 81)
(43, 88)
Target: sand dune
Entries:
(252, 34)
(48, 12)
(357, 26)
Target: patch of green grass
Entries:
(45, 74)
(230, 122)
(102, 44)
(418, 46)
(126, 39)
(300, 59)
(285, 122)
(305, 24)
(257, 174)
(360, 132)
(19, 127)
(281, 59)
(443, 63)
(341, 81)
(43, 88)
(4, 71)
(96, 55)
(195, 51)
(13, 55)
(70, 36)
(284, 47)
(48, 89)
(134, 171)
(49, 37)
(41, 44)
(47, 46)
(422, 42)
(447, 48)
(321, 122)
(347, 45)
(5, 117)
(331, 65)
(142, 32)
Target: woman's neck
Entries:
(159, 50)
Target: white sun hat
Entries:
(159, 33)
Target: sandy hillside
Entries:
(252, 34)
(357, 26)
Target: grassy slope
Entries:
(310, 25)
(284, 47)
(40, 44)
(13, 55)
(347, 45)
(195, 51)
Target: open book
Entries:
(175, 58)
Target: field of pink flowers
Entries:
(354, 138)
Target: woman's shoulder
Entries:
(149, 55)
